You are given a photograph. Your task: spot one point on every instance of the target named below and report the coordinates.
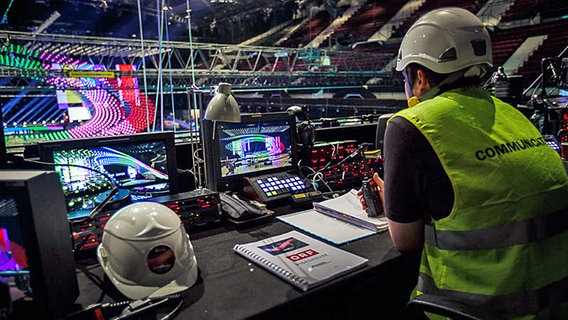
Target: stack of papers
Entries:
(337, 220)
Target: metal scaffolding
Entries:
(210, 61)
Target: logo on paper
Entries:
(302, 255)
(282, 246)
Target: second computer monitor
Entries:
(259, 144)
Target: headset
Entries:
(306, 129)
(475, 70)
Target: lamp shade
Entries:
(223, 106)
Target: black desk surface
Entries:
(231, 287)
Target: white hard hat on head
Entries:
(446, 40)
(146, 252)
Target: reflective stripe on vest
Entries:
(519, 232)
(515, 304)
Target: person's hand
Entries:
(361, 199)
(380, 185)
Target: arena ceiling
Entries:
(221, 21)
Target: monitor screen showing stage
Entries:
(143, 164)
(248, 148)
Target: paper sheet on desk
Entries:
(325, 227)
(348, 207)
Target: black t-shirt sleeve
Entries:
(416, 184)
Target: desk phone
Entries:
(269, 188)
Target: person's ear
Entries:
(421, 84)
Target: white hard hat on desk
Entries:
(146, 252)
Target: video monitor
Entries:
(36, 254)
(143, 163)
(259, 144)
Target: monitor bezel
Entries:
(214, 180)
(46, 149)
(45, 232)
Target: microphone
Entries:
(552, 69)
(98, 208)
(549, 64)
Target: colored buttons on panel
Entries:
(274, 186)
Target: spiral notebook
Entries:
(301, 260)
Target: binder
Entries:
(301, 260)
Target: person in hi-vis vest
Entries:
(470, 182)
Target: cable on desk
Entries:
(130, 309)
(315, 176)
(95, 279)
(174, 312)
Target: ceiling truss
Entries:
(190, 63)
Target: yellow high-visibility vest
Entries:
(504, 246)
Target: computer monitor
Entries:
(261, 143)
(36, 254)
(144, 164)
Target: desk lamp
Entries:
(223, 106)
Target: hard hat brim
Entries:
(135, 291)
(185, 281)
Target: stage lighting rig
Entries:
(48, 22)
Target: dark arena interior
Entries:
(237, 116)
